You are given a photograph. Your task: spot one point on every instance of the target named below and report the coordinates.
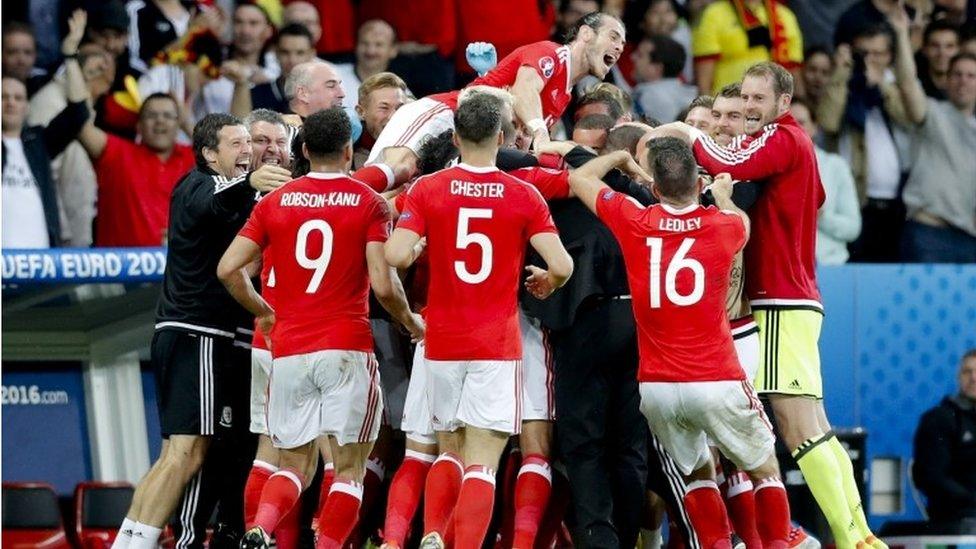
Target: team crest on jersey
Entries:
(406, 215)
(608, 195)
(548, 66)
(227, 417)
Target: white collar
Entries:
(326, 175)
(680, 211)
(477, 169)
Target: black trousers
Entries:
(601, 434)
(216, 493)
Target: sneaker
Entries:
(798, 538)
(432, 540)
(737, 542)
(876, 543)
(255, 538)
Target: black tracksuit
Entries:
(945, 459)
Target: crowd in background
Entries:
(90, 156)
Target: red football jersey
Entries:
(477, 222)
(267, 291)
(317, 228)
(552, 184)
(549, 59)
(678, 266)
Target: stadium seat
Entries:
(99, 509)
(31, 517)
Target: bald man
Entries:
(314, 86)
(305, 14)
(375, 48)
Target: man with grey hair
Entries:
(269, 138)
(312, 87)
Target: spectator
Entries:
(375, 48)
(940, 43)
(967, 37)
(427, 43)
(733, 35)
(72, 172)
(662, 17)
(247, 58)
(856, 114)
(108, 27)
(570, 12)
(30, 202)
(940, 194)
(294, 46)
(839, 218)
(860, 16)
(699, 113)
(305, 14)
(153, 26)
(20, 56)
(945, 450)
(818, 66)
(728, 115)
(660, 93)
(313, 86)
(135, 179)
(380, 96)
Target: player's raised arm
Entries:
(586, 182)
(528, 106)
(389, 290)
(722, 194)
(233, 273)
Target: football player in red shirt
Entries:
(679, 260)
(541, 76)
(325, 232)
(477, 221)
(781, 283)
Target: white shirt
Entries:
(884, 170)
(24, 224)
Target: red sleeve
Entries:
(540, 220)
(543, 58)
(378, 228)
(615, 208)
(551, 184)
(400, 202)
(770, 153)
(255, 229)
(552, 160)
(412, 215)
(115, 149)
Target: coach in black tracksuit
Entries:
(600, 432)
(193, 350)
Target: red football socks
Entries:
(441, 492)
(474, 506)
(707, 513)
(280, 494)
(260, 472)
(340, 514)
(742, 509)
(406, 490)
(531, 497)
(773, 520)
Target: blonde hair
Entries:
(379, 81)
(501, 94)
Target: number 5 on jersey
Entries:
(467, 238)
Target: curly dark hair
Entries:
(327, 133)
(436, 152)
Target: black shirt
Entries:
(206, 212)
(270, 95)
